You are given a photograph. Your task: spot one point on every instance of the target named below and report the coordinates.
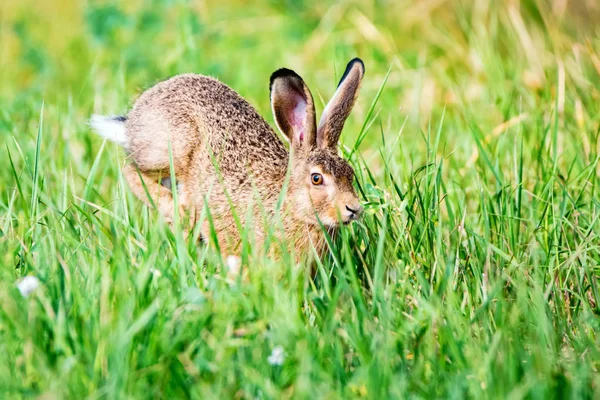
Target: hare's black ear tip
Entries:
(282, 73)
(358, 61)
(353, 64)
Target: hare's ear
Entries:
(293, 109)
(337, 110)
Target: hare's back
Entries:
(189, 110)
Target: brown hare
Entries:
(227, 157)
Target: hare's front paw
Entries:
(234, 270)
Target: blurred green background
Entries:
(473, 274)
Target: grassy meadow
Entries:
(474, 272)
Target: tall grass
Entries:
(474, 272)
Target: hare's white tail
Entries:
(111, 128)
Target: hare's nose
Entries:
(356, 211)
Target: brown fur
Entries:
(224, 154)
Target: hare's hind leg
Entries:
(160, 195)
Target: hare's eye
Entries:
(316, 179)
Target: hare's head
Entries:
(321, 182)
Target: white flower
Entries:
(27, 285)
(277, 356)
(156, 273)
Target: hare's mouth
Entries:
(349, 221)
